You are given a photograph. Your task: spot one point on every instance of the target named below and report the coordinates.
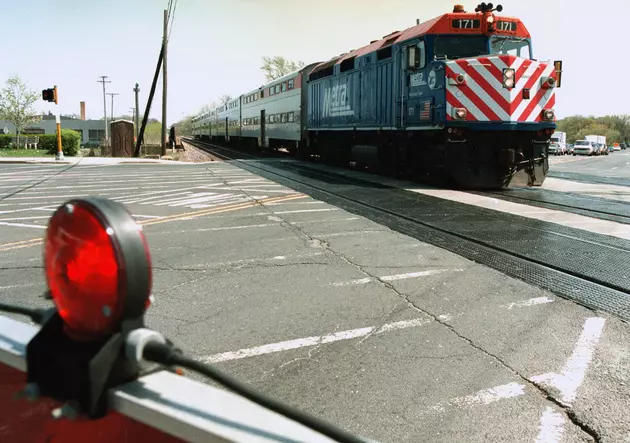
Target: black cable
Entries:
(37, 315)
(171, 356)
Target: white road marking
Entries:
(23, 285)
(311, 202)
(45, 197)
(551, 426)
(574, 371)
(196, 199)
(395, 277)
(313, 341)
(281, 191)
(611, 192)
(347, 233)
(483, 397)
(145, 216)
(590, 224)
(23, 225)
(24, 218)
(263, 225)
(25, 209)
(504, 391)
(306, 210)
(530, 302)
(359, 281)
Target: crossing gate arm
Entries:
(164, 406)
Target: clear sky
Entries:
(216, 46)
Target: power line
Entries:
(169, 8)
(172, 19)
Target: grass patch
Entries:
(24, 153)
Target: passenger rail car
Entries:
(459, 99)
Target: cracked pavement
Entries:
(386, 336)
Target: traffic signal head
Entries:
(50, 95)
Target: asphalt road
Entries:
(386, 336)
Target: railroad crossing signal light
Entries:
(97, 266)
(98, 270)
(50, 95)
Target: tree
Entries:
(16, 105)
(184, 126)
(276, 67)
(616, 128)
(224, 99)
(210, 107)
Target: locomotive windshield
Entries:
(460, 46)
(510, 46)
(453, 47)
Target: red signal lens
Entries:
(98, 267)
(82, 271)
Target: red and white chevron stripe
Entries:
(484, 96)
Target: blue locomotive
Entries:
(458, 100)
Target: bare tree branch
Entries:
(224, 99)
(276, 67)
(16, 104)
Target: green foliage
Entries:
(616, 128)
(23, 153)
(276, 67)
(5, 141)
(184, 127)
(153, 134)
(70, 142)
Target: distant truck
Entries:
(600, 142)
(558, 143)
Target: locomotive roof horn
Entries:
(483, 7)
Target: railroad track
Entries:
(571, 263)
(225, 153)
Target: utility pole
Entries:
(164, 43)
(102, 80)
(112, 94)
(136, 90)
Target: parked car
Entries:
(585, 147)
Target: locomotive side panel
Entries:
(384, 86)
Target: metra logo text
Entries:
(336, 102)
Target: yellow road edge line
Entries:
(21, 242)
(28, 245)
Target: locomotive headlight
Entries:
(509, 78)
(460, 113)
(548, 114)
(490, 19)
